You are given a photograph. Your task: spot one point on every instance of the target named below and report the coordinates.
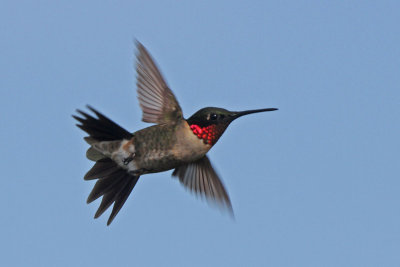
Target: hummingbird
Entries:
(173, 142)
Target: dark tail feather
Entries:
(102, 169)
(106, 183)
(101, 128)
(114, 189)
(114, 184)
(122, 196)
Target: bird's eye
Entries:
(213, 116)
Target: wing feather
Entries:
(200, 178)
(156, 100)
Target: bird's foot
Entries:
(126, 161)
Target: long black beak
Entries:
(235, 115)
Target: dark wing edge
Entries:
(200, 178)
(157, 101)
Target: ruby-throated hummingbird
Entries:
(172, 143)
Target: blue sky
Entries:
(313, 184)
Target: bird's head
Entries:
(210, 123)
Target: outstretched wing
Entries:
(156, 100)
(200, 178)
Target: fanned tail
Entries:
(114, 184)
(101, 128)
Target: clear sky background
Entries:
(314, 184)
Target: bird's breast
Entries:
(188, 147)
(163, 147)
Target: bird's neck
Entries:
(210, 133)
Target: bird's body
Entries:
(157, 148)
(173, 143)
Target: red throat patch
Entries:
(209, 134)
